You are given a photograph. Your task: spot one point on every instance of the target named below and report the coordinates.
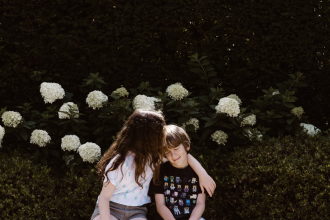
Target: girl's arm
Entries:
(199, 208)
(205, 181)
(162, 209)
(104, 200)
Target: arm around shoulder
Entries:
(205, 181)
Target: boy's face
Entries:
(178, 156)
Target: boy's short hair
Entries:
(174, 136)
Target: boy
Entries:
(179, 195)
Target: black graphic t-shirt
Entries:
(180, 188)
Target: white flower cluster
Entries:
(11, 118)
(192, 121)
(252, 134)
(297, 111)
(40, 137)
(220, 137)
(121, 92)
(70, 142)
(95, 99)
(89, 152)
(250, 120)
(229, 106)
(51, 91)
(2, 134)
(144, 102)
(310, 129)
(66, 108)
(177, 91)
(234, 96)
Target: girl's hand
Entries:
(208, 183)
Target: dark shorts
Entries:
(123, 212)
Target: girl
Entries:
(131, 162)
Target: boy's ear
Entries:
(188, 148)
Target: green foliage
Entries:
(273, 115)
(276, 179)
(34, 191)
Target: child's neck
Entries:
(181, 166)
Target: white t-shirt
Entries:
(127, 191)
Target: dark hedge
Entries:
(254, 44)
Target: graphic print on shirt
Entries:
(165, 185)
(179, 188)
(165, 178)
(166, 199)
(183, 195)
(177, 179)
(194, 196)
(186, 188)
(187, 202)
(172, 201)
(186, 210)
(175, 194)
(167, 192)
(181, 202)
(172, 179)
(176, 210)
(172, 186)
(194, 189)
(193, 180)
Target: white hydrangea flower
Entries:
(229, 106)
(144, 102)
(220, 137)
(51, 91)
(89, 152)
(252, 134)
(40, 138)
(70, 142)
(11, 119)
(297, 111)
(121, 92)
(310, 129)
(177, 91)
(276, 92)
(192, 121)
(2, 134)
(250, 120)
(66, 108)
(95, 99)
(234, 96)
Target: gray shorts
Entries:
(123, 212)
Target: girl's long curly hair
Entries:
(143, 135)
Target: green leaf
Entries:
(205, 62)
(24, 134)
(193, 112)
(134, 91)
(205, 118)
(196, 70)
(204, 98)
(205, 135)
(99, 131)
(210, 122)
(289, 105)
(290, 120)
(182, 120)
(100, 80)
(89, 81)
(213, 89)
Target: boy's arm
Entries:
(162, 209)
(104, 199)
(199, 208)
(205, 181)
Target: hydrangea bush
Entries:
(215, 121)
(2, 134)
